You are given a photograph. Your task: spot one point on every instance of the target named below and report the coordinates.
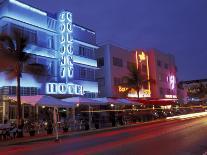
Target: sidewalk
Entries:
(45, 137)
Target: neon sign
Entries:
(172, 81)
(65, 45)
(66, 69)
(62, 88)
(142, 57)
(170, 96)
(122, 89)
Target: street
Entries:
(183, 136)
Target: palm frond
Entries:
(39, 71)
(8, 41)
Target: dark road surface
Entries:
(172, 137)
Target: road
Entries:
(168, 137)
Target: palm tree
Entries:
(134, 80)
(14, 61)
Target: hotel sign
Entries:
(65, 56)
(62, 88)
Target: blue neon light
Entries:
(28, 7)
(66, 53)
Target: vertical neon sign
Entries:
(66, 69)
(65, 46)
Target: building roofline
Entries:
(193, 81)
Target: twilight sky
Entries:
(178, 27)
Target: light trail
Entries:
(194, 115)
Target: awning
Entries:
(106, 100)
(42, 100)
(81, 100)
(127, 102)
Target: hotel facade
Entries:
(158, 67)
(65, 48)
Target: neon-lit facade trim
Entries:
(52, 45)
(28, 7)
(65, 46)
(140, 58)
(137, 61)
(84, 61)
(85, 44)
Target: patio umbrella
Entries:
(42, 100)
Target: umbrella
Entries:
(42, 100)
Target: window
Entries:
(90, 74)
(100, 62)
(159, 63)
(30, 34)
(101, 81)
(51, 42)
(117, 62)
(86, 52)
(82, 72)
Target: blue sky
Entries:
(178, 27)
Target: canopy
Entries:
(42, 100)
(81, 100)
(155, 101)
(106, 100)
(127, 102)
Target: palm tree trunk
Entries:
(18, 93)
(138, 92)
